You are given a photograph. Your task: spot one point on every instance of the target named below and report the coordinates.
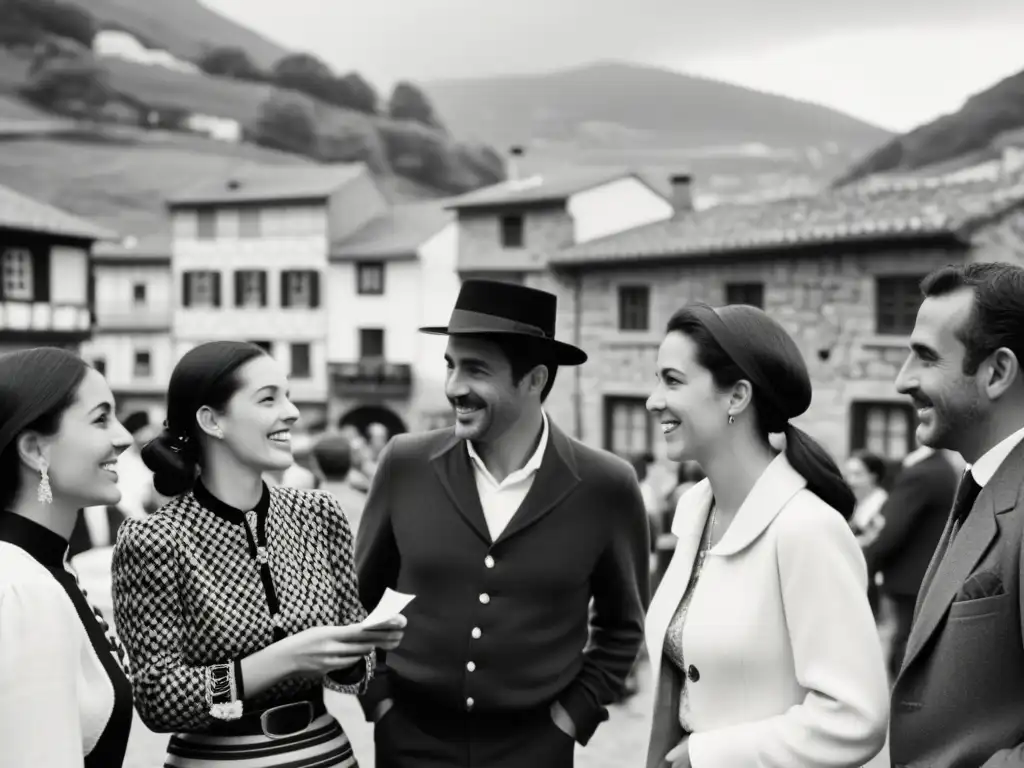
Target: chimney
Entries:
(512, 166)
(682, 192)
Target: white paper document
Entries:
(390, 605)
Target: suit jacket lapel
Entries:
(948, 571)
(455, 471)
(555, 479)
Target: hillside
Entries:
(611, 113)
(968, 131)
(122, 178)
(185, 28)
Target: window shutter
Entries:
(186, 289)
(239, 287)
(284, 289)
(216, 288)
(314, 289)
(263, 288)
(41, 274)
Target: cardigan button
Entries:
(693, 674)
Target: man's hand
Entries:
(382, 709)
(679, 757)
(563, 721)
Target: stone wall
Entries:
(825, 300)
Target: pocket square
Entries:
(983, 584)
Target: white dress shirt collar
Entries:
(530, 467)
(985, 467)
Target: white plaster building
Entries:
(132, 343)
(393, 276)
(249, 260)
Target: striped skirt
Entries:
(322, 745)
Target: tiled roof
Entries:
(397, 234)
(553, 187)
(20, 212)
(251, 183)
(870, 210)
(155, 248)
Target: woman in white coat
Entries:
(761, 640)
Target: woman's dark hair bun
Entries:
(174, 464)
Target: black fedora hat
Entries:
(492, 308)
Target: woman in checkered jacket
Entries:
(237, 603)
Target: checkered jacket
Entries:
(188, 594)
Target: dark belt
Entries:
(280, 720)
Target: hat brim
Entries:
(560, 352)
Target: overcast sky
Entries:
(896, 63)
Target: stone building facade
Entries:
(840, 272)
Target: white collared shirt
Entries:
(985, 467)
(500, 501)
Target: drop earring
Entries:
(732, 420)
(44, 493)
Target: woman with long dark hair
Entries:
(760, 635)
(65, 701)
(238, 603)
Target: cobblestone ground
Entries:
(620, 742)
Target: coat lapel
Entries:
(455, 471)
(947, 572)
(687, 525)
(555, 480)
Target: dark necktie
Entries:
(966, 493)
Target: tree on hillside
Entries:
(410, 103)
(231, 62)
(26, 22)
(354, 92)
(72, 86)
(305, 73)
(286, 123)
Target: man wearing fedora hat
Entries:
(507, 531)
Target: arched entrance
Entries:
(365, 415)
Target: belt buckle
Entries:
(286, 719)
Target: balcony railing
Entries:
(23, 319)
(371, 378)
(129, 316)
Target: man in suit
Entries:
(505, 529)
(959, 699)
(915, 514)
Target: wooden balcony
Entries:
(371, 378)
(40, 323)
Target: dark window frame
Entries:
(860, 411)
(634, 308)
(750, 293)
(364, 335)
(512, 229)
(609, 406)
(306, 356)
(897, 300)
(370, 287)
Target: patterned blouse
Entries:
(674, 636)
(189, 591)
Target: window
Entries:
(300, 289)
(512, 231)
(206, 224)
(370, 278)
(897, 300)
(249, 222)
(371, 343)
(142, 368)
(100, 364)
(302, 367)
(628, 426)
(16, 266)
(201, 289)
(886, 429)
(745, 293)
(250, 288)
(139, 293)
(634, 307)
